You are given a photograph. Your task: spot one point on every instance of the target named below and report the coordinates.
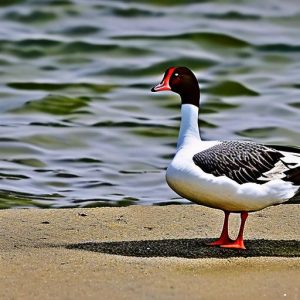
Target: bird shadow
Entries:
(192, 248)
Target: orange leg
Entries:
(239, 242)
(224, 238)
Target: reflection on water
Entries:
(79, 126)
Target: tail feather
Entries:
(291, 149)
(291, 159)
(295, 199)
(293, 175)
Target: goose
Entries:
(233, 176)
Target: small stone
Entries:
(82, 214)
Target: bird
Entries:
(235, 176)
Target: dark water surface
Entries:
(79, 126)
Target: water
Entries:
(79, 126)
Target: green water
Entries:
(79, 126)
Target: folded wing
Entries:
(244, 162)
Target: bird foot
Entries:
(221, 241)
(234, 245)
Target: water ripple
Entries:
(79, 125)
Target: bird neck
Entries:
(189, 130)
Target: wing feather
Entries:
(238, 160)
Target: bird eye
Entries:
(176, 74)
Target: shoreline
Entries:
(147, 252)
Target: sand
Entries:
(147, 252)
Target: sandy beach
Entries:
(147, 252)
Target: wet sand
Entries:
(144, 252)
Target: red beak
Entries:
(164, 85)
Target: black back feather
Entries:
(241, 161)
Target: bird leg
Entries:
(239, 242)
(224, 239)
